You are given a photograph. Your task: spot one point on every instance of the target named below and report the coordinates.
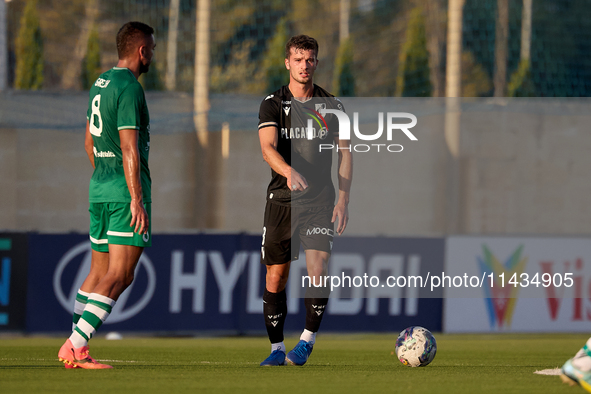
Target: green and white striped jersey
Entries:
(117, 102)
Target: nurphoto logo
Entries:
(345, 130)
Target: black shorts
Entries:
(286, 228)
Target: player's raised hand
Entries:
(139, 217)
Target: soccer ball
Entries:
(416, 347)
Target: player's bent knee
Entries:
(274, 283)
(123, 280)
(126, 278)
(129, 280)
(318, 272)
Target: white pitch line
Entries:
(228, 362)
(127, 361)
(52, 359)
(120, 361)
(550, 372)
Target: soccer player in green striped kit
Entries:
(117, 143)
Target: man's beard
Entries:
(302, 80)
(144, 68)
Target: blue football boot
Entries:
(275, 358)
(300, 353)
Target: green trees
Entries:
(274, 59)
(343, 84)
(475, 80)
(413, 71)
(29, 50)
(91, 65)
(521, 84)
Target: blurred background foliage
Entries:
(395, 47)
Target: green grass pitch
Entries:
(361, 363)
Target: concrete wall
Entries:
(526, 169)
(523, 169)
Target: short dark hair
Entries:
(302, 42)
(128, 37)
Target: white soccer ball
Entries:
(416, 347)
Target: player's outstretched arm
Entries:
(89, 144)
(131, 168)
(268, 139)
(341, 209)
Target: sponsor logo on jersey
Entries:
(286, 110)
(320, 106)
(102, 83)
(317, 117)
(102, 154)
(320, 230)
(303, 132)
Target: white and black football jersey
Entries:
(301, 131)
